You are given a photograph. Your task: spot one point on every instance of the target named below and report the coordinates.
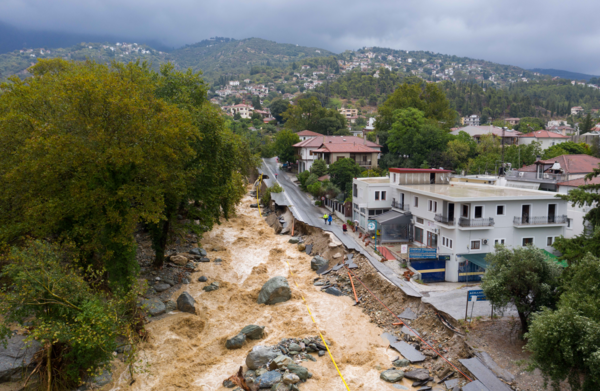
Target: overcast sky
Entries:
(528, 33)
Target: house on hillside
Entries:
(234, 83)
(510, 136)
(513, 121)
(306, 134)
(472, 120)
(547, 174)
(306, 148)
(245, 111)
(544, 137)
(575, 225)
(363, 155)
(576, 110)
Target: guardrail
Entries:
(464, 222)
(540, 220)
(443, 219)
(402, 206)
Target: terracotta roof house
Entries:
(544, 137)
(548, 174)
(304, 148)
(307, 134)
(362, 154)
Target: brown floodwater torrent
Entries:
(187, 352)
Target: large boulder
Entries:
(236, 342)
(276, 290)
(161, 287)
(179, 260)
(259, 356)
(186, 303)
(198, 251)
(253, 331)
(16, 357)
(154, 307)
(392, 375)
(318, 262)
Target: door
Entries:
(402, 201)
(450, 212)
(525, 214)
(431, 240)
(551, 213)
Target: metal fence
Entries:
(464, 222)
(540, 220)
(443, 219)
(405, 207)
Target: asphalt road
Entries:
(303, 209)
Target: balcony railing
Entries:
(405, 207)
(540, 220)
(364, 163)
(525, 176)
(464, 222)
(443, 219)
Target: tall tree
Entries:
(284, 145)
(565, 343)
(342, 172)
(278, 106)
(309, 114)
(521, 277)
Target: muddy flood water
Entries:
(187, 352)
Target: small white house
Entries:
(544, 137)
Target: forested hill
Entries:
(564, 74)
(224, 56)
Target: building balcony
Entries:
(363, 163)
(403, 207)
(537, 221)
(443, 219)
(535, 177)
(476, 223)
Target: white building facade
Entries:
(464, 221)
(370, 197)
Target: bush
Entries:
(319, 168)
(302, 177)
(315, 189)
(266, 198)
(76, 322)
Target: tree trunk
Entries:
(524, 324)
(160, 235)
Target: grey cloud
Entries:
(527, 33)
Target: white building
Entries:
(305, 149)
(472, 120)
(575, 225)
(544, 137)
(370, 197)
(234, 83)
(463, 221)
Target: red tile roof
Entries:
(315, 142)
(308, 133)
(416, 170)
(345, 147)
(543, 134)
(580, 182)
(570, 164)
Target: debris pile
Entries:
(277, 367)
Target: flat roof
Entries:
(461, 191)
(375, 180)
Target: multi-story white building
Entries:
(462, 221)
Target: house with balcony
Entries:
(464, 221)
(306, 150)
(547, 174)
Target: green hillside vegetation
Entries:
(223, 57)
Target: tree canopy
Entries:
(342, 172)
(309, 114)
(284, 145)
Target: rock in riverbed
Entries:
(236, 342)
(186, 303)
(259, 356)
(276, 290)
(318, 262)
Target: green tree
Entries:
(64, 308)
(587, 124)
(342, 172)
(104, 151)
(565, 343)
(284, 145)
(319, 168)
(278, 106)
(458, 152)
(522, 277)
(309, 114)
(256, 102)
(566, 148)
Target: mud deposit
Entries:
(187, 352)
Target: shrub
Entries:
(65, 310)
(315, 189)
(266, 198)
(311, 179)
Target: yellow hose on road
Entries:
(257, 191)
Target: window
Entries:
(418, 234)
(499, 241)
(431, 239)
(371, 212)
(475, 244)
(355, 190)
(446, 242)
(500, 210)
(478, 212)
(419, 220)
(569, 223)
(465, 211)
(527, 241)
(450, 243)
(416, 202)
(394, 178)
(383, 195)
(549, 241)
(376, 196)
(430, 205)
(435, 206)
